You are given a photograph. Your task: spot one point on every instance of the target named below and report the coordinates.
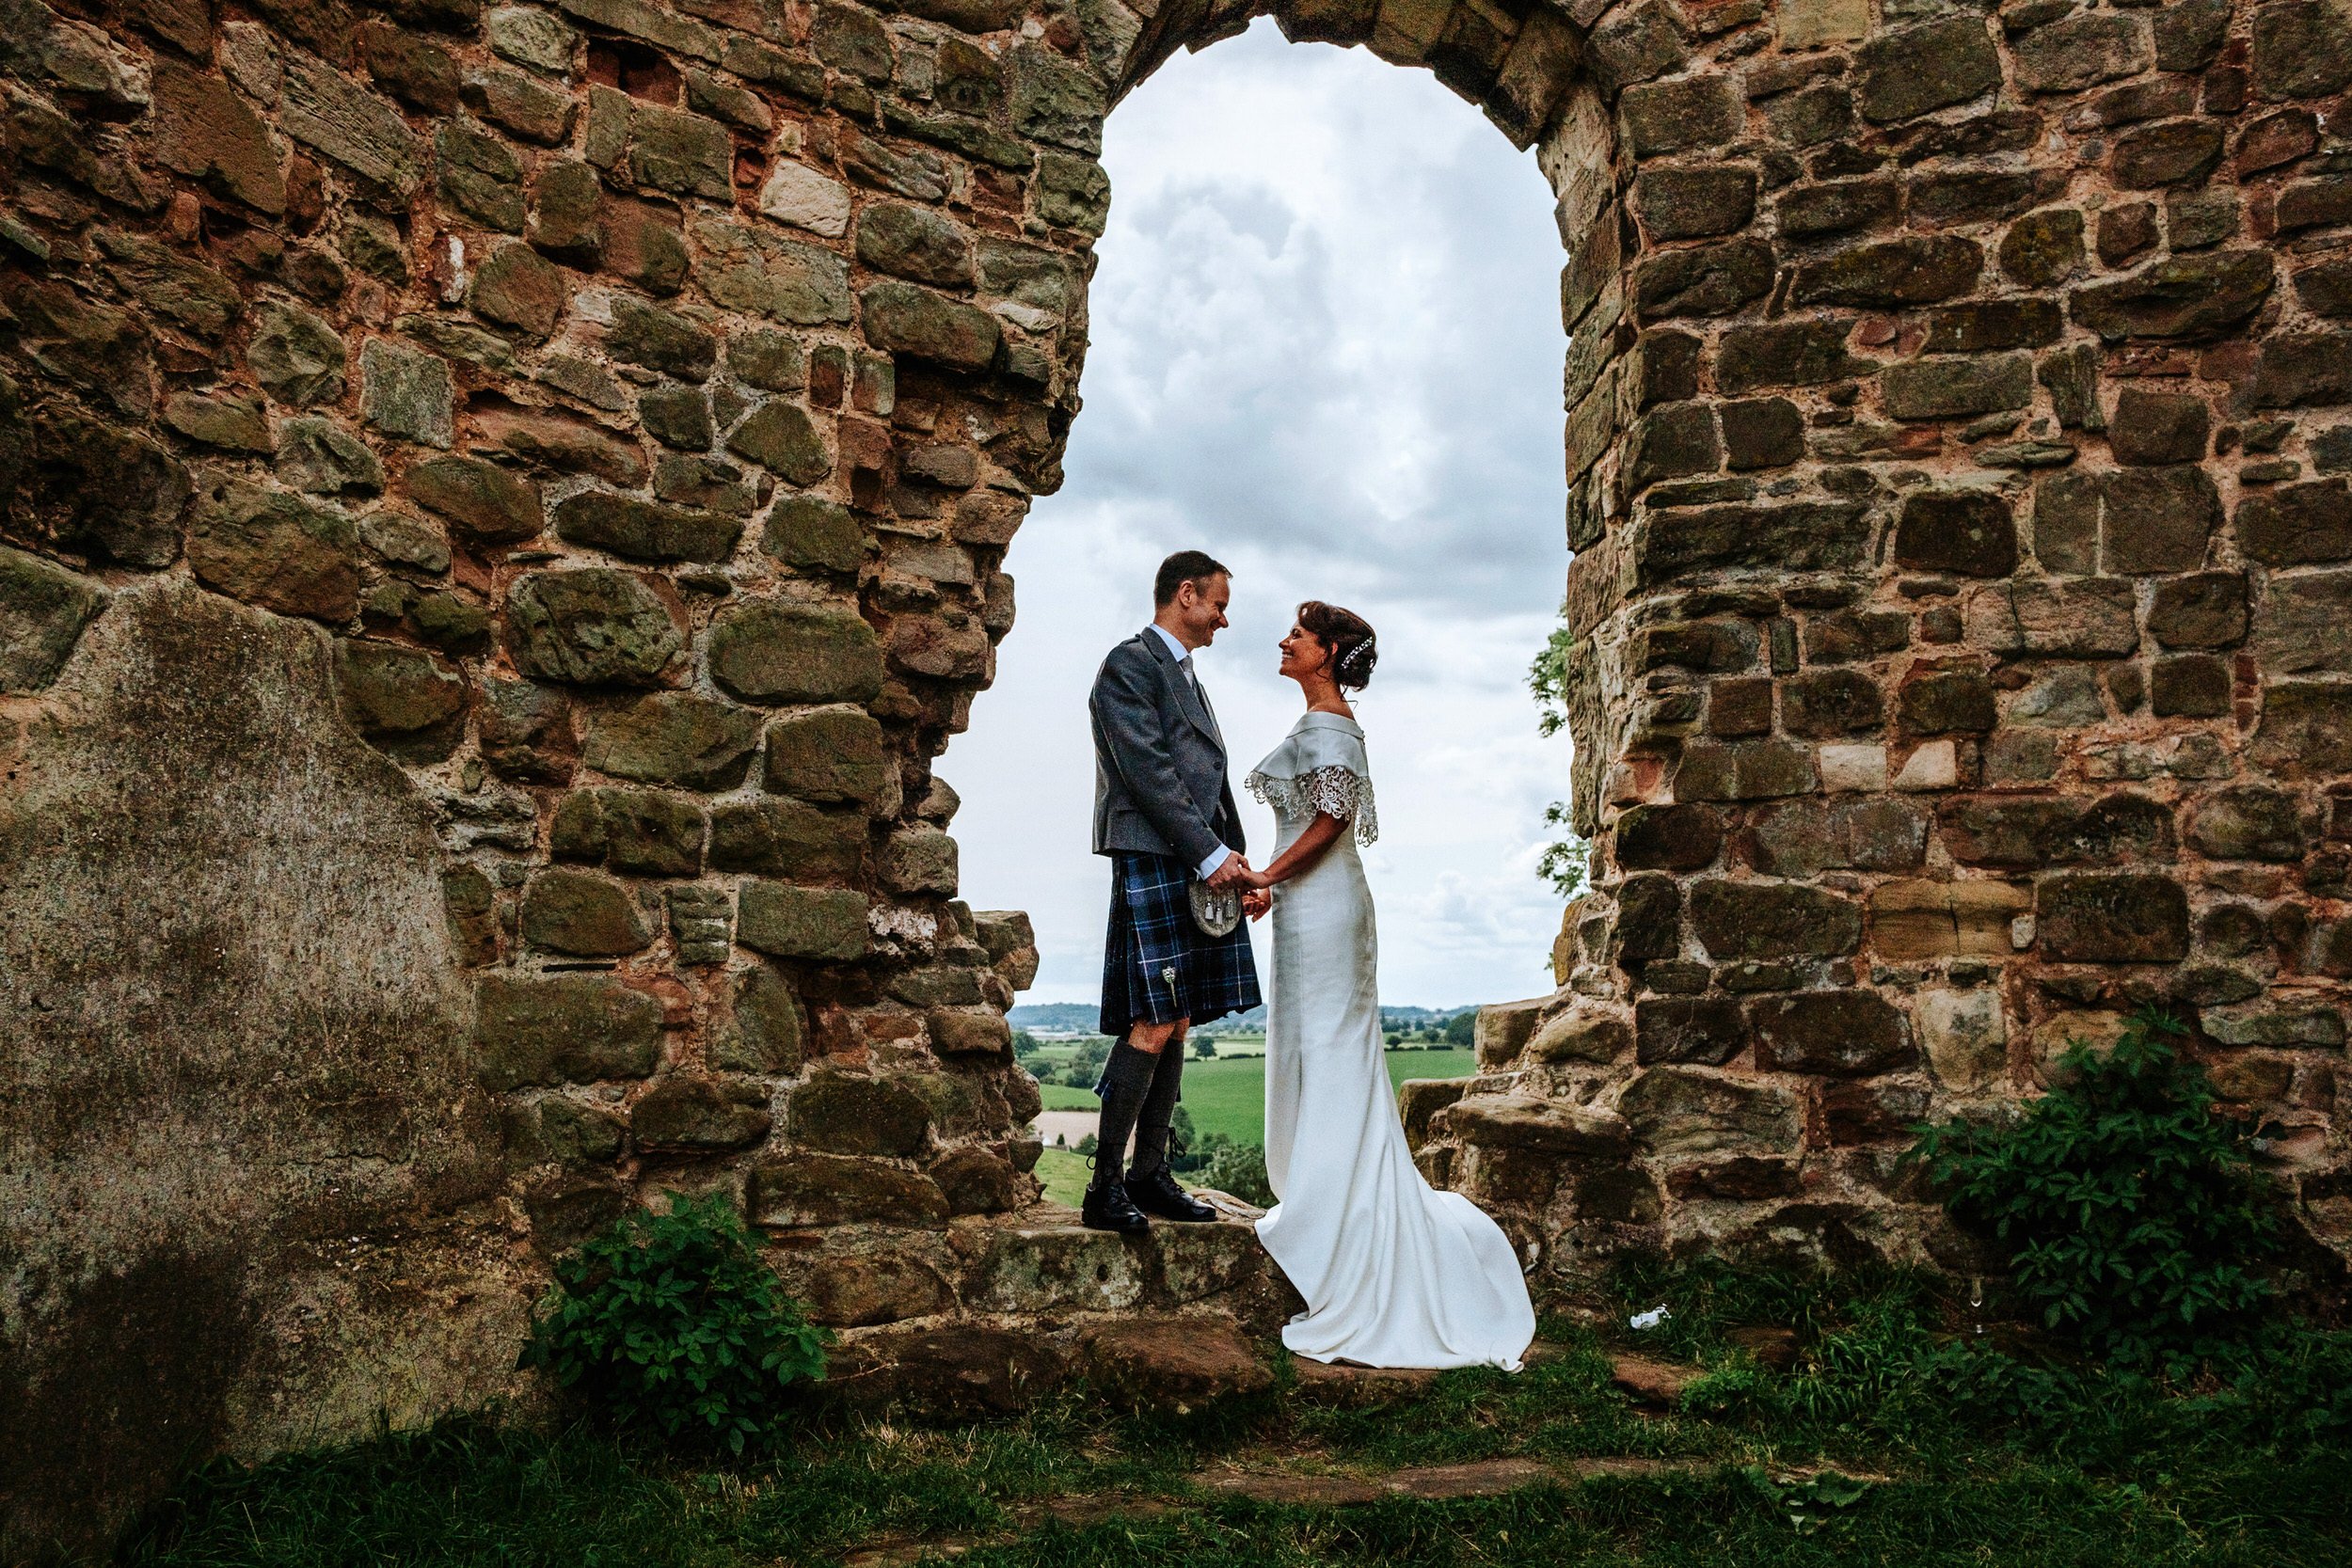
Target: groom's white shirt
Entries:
(1184, 662)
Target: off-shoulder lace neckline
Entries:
(1315, 719)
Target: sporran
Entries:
(1216, 911)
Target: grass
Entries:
(1968, 1457)
(1228, 1095)
(1065, 1174)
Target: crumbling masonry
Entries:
(505, 501)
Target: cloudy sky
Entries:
(1327, 349)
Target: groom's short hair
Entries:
(1181, 568)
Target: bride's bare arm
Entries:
(1308, 847)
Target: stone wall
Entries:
(1957, 443)
(504, 502)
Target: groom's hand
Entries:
(1231, 872)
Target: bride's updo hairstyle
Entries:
(1355, 648)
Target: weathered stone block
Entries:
(2158, 519)
(1772, 920)
(1914, 71)
(43, 609)
(1694, 203)
(1679, 1113)
(645, 530)
(1710, 1030)
(832, 1189)
(700, 1114)
(1798, 536)
(2250, 822)
(584, 914)
(781, 437)
(568, 1028)
(1532, 1124)
(789, 922)
(2205, 610)
(2111, 918)
(1703, 280)
(676, 738)
(1849, 1034)
(275, 550)
(771, 650)
(2043, 247)
(1927, 919)
(901, 318)
(786, 838)
(1056, 1269)
(1784, 353)
(525, 731)
(592, 625)
(1970, 533)
(1891, 273)
(400, 699)
(2185, 296)
(1821, 704)
(630, 829)
(920, 858)
(489, 503)
(2296, 525)
(765, 1031)
(406, 394)
(1675, 117)
(2092, 619)
(1503, 1028)
(294, 354)
(1668, 837)
(2300, 49)
(1946, 702)
(1966, 1036)
(1955, 388)
(324, 458)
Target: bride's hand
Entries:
(1256, 902)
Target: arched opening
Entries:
(1324, 346)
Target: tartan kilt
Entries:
(1157, 965)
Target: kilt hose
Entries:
(1157, 965)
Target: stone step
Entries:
(1656, 1383)
(1290, 1488)
(1485, 1477)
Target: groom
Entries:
(1164, 813)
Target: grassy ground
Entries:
(1065, 1174)
(1228, 1095)
(1965, 1458)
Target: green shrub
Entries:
(2131, 1216)
(1238, 1169)
(672, 1321)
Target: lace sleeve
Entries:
(1336, 792)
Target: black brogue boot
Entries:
(1159, 1194)
(1107, 1207)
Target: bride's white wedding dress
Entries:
(1394, 1274)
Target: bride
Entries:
(1394, 1274)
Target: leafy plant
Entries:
(672, 1321)
(1548, 678)
(1565, 860)
(1238, 1169)
(2131, 1215)
(1811, 1500)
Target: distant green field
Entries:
(1228, 1095)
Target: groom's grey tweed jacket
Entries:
(1160, 785)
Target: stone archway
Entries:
(641, 396)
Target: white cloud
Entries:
(1327, 349)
